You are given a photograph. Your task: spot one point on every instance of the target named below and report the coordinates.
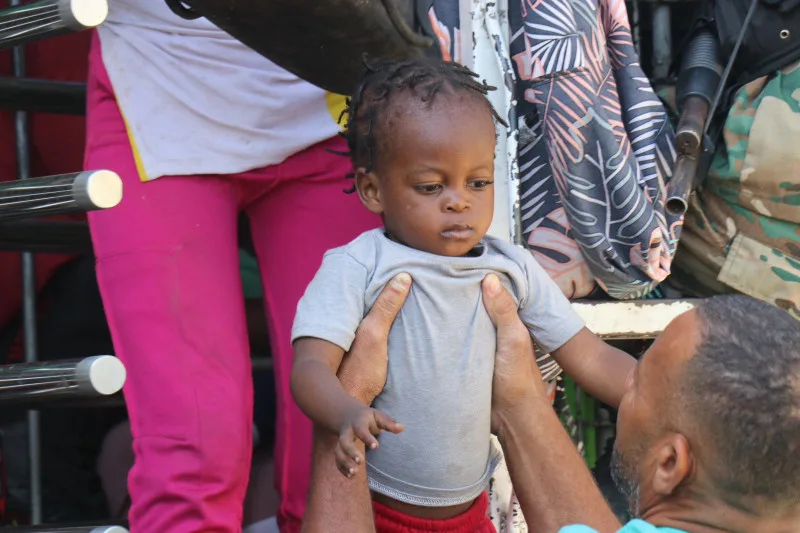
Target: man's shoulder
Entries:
(634, 526)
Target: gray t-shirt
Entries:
(441, 354)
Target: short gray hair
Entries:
(742, 388)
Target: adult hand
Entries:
(364, 367)
(550, 478)
(516, 375)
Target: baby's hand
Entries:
(362, 424)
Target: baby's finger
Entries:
(344, 463)
(364, 433)
(347, 443)
(388, 423)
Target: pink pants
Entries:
(168, 269)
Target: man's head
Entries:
(421, 135)
(712, 413)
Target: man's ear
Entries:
(674, 464)
(368, 190)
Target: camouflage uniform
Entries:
(742, 230)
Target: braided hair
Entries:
(423, 78)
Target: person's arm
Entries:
(314, 384)
(598, 368)
(337, 504)
(328, 315)
(320, 395)
(554, 487)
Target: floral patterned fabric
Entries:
(595, 148)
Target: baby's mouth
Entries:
(458, 232)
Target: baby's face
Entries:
(435, 177)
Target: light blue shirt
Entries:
(634, 526)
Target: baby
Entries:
(422, 141)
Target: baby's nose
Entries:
(456, 203)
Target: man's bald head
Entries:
(740, 391)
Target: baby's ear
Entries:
(368, 190)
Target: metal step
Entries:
(60, 381)
(55, 195)
(34, 21)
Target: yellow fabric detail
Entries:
(336, 105)
(137, 158)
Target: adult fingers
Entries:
(389, 302)
(498, 302)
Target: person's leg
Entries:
(168, 271)
(293, 225)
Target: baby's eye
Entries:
(480, 184)
(428, 188)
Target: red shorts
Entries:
(474, 520)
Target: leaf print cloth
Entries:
(595, 145)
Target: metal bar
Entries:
(102, 375)
(42, 96)
(65, 529)
(261, 363)
(662, 41)
(28, 294)
(45, 236)
(66, 193)
(682, 183)
(635, 319)
(21, 24)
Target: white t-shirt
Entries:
(197, 101)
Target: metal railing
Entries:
(33, 383)
(37, 383)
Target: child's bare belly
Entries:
(418, 511)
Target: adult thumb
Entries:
(498, 302)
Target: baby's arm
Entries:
(328, 315)
(596, 367)
(315, 387)
(320, 395)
